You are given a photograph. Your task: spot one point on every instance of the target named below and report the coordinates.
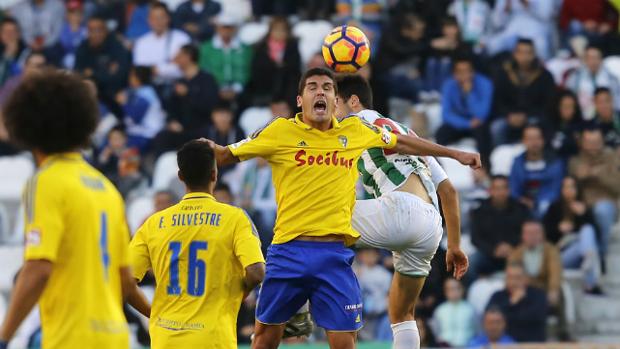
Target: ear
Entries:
(354, 102)
(299, 101)
(180, 175)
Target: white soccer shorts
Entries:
(404, 224)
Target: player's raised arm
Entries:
(418, 146)
(223, 155)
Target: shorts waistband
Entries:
(415, 197)
(312, 244)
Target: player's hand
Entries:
(469, 159)
(456, 262)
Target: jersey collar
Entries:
(299, 121)
(197, 195)
(61, 156)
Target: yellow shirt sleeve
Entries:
(376, 137)
(139, 252)
(44, 206)
(246, 244)
(260, 144)
(123, 232)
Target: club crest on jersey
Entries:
(343, 141)
(33, 237)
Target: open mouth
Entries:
(320, 106)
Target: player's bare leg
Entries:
(404, 294)
(267, 336)
(341, 340)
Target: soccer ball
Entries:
(346, 49)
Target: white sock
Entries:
(406, 335)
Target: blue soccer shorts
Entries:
(298, 271)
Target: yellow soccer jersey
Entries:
(198, 250)
(314, 172)
(75, 218)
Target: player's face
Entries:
(318, 99)
(494, 325)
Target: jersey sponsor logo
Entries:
(33, 237)
(327, 159)
(240, 143)
(353, 307)
(343, 141)
(302, 144)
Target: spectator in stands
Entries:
(495, 228)
(157, 48)
(193, 98)
(374, 282)
(509, 129)
(34, 63)
(440, 58)
(196, 18)
(432, 293)
(524, 307)
(137, 14)
(536, 175)
(41, 22)
(13, 51)
(466, 104)
(540, 259)
(107, 161)
(129, 179)
(276, 65)
(401, 52)
(223, 130)
(72, 33)
(606, 117)
(227, 58)
(222, 193)
(494, 330)
(455, 319)
(143, 114)
(512, 19)
(104, 59)
(597, 169)
(258, 198)
(522, 82)
(570, 226)
(590, 75)
(163, 199)
(474, 19)
(591, 18)
(369, 13)
(564, 122)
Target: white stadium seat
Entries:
(310, 35)
(138, 210)
(503, 156)
(612, 64)
(15, 172)
(11, 259)
(165, 170)
(253, 32)
(462, 177)
(253, 119)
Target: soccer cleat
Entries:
(299, 325)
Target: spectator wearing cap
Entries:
(590, 75)
(227, 58)
(102, 58)
(72, 33)
(41, 22)
(524, 307)
(193, 98)
(157, 48)
(13, 50)
(494, 330)
(536, 175)
(597, 168)
(606, 117)
(196, 18)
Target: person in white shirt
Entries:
(158, 47)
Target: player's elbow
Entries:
(254, 275)
(447, 191)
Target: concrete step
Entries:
(613, 262)
(608, 327)
(602, 339)
(592, 309)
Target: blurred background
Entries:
(533, 85)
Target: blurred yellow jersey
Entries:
(314, 172)
(75, 218)
(198, 250)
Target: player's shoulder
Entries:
(273, 124)
(355, 120)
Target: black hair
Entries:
(98, 17)
(525, 41)
(600, 90)
(462, 59)
(494, 309)
(500, 177)
(196, 162)
(449, 21)
(192, 51)
(161, 6)
(594, 47)
(353, 84)
(221, 186)
(222, 105)
(144, 74)
(10, 20)
(555, 111)
(319, 71)
(118, 128)
(534, 125)
(51, 111)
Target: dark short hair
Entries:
(192, 51)
(600, 90)
(196, 162)
(352, 84)
(144, 74)
(222, 106)
(524, 41)
(499, 177)
(494, 309)
(462, 59)
(52, 111)
(449, 21)
(221, 186)
(158, 5)
(319, 71)
(10, 20)
(119, 128)
(98, 17)
(594, 47)
(533, 125)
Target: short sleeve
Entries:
(44, 206)
(139, 253)
(246, 242)
(438, 174)
(261, 143)
(376, 137)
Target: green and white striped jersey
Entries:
(384, 170)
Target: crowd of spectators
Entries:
(538, 76)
